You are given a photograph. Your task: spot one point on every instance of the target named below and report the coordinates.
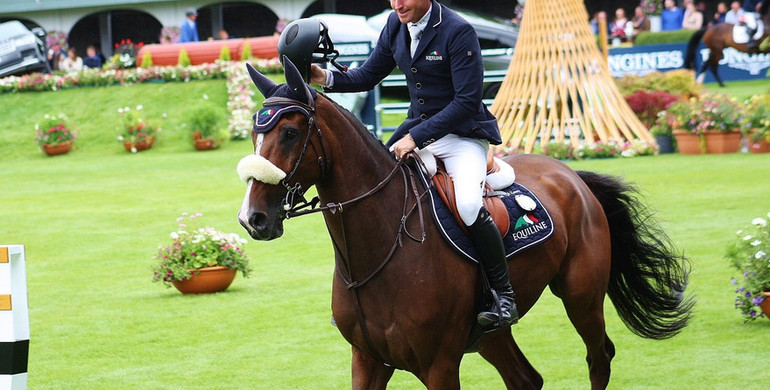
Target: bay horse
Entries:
(717, 38)
(402, 297)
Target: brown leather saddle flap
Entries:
(445, 189)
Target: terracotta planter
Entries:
(761, 146)
(205, 144)
(687, 143)
(61, 148)
(144, 145)
(766, 305)
(207, 280)
(718, 142)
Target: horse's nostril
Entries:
(258, 221)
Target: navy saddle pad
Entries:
(529, 227)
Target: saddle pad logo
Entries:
(527, 225)
(268, 112)
(434, 56)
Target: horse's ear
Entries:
(264, 84)
(295, 81)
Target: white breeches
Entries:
(465, 160)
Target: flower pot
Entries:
(720, 142)
(139, 146)
(665, 144)
(204, 144)
(766, 304)
(687, 143)
(761, 146)
(61, 148)
(207, 280)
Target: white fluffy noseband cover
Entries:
(260, 169)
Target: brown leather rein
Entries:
(303, 207)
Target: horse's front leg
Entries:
(369, 374)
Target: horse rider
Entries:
(750, 19)
(439, 53)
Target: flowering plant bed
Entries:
(194, 247)
(750, 255)
(54, 135)
(136, 133)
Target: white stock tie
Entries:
(415, 32)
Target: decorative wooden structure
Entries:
(558, 85)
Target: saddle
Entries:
(445, 189)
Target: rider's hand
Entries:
(317, 75)
(404, 146)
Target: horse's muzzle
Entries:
(258, 225)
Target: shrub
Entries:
(661, 37)
(680, 82)
(224, 53)
(646, 105)
(184, 58)
(146, 60)
(246, 52)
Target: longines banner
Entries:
(641, 60)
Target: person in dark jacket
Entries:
(439, 53)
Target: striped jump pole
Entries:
(14, 318)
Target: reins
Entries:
(303, 207)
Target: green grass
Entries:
(91, 221)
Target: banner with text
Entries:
(640, 60)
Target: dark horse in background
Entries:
(717, 38)
(403, 297)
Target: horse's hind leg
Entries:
(583, 290)
(500, 349)
(369, 374)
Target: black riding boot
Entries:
(489, 245)
(752, 43)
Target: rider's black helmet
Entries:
(305, 41)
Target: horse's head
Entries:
(288, 153)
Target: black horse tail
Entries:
(647, 277)
(692, 46)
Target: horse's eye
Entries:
(290, 134)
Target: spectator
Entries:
(671, 17)
(598, 17)
(751, 5)
(92, 59)
(618, 27)
(189, 28)
(735, 14)
(71, 62)
(55, 55)
(693, 20)
(719, 16)
(223, 34)
(640, 22)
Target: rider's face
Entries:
(410, 10)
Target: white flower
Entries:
(759, 222)
(746, 238)
(739, 232)
(760, 254)
(174, 235)
(139, 107)
(755, 242)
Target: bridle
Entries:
(295, 205)
(295, 193)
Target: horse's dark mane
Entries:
(357, 124)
